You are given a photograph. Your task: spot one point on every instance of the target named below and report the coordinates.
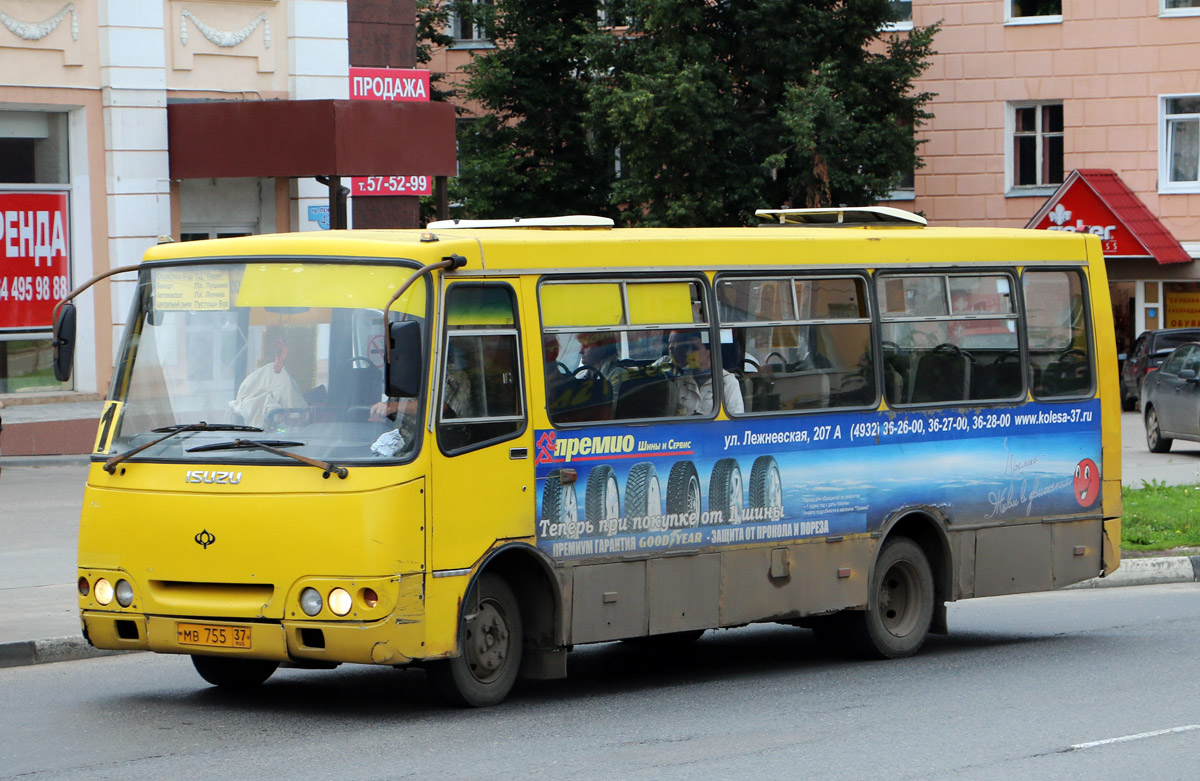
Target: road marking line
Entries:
(1139, 736)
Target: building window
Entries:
(473, 26)
(1179, 7)
(1179, 144)
(901, 15)
(33, 148)
(33, 151)
(1037, 145)
(1033, 11)
(614, 13)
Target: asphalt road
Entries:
(1075, 684)
(1181, 465)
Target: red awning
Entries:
(1095, 200)
(297, 138)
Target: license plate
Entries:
(213, 636)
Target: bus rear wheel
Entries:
(489, 645)
(233, 673)
(899, 604)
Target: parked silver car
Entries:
(1171, 399)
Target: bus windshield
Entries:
(289, 353)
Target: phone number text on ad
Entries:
(31, 288)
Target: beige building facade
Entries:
(1028, 91)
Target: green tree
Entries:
(531, 154)
(719, 108)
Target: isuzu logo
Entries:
(205, 538)
(207, 476)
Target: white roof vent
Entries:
(566, 221)
(855, 215)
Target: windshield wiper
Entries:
(110, 465)
(272, 446)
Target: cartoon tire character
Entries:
(643, 493)
(766, 484)
(683, 489)
(602, 500)
(559, 504)
(725, 493)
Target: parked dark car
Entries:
(1148, 353)
(1171, 399)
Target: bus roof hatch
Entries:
(850, 215)
(566, 221)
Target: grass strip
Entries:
(1158, 516)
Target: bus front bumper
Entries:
(302, 641)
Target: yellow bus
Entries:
(476, 446)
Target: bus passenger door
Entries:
(483, 481)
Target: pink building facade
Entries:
(1029, 91)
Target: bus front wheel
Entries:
(489, 645)
(899, 603)
(233, 673)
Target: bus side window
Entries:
(799, 343)
(949, 338)
(1059, 347)
(479, 394)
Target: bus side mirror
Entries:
(64, 341)
(405, 362)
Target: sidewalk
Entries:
(42, 425)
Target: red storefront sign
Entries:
(34, 258)
(390, 84)
(1097, 201)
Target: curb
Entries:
(1148, 571)
(53, 649)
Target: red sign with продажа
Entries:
(34, 258)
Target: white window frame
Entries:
(1164, 11)
(480, 41)
(1165, 185)
(1010, 163)
(1009, 19)
(901, 26)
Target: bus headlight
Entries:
(124, 593)
(340, 601)
(104, 591)
(310, 601)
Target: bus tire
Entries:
(489, 649)
(766, 483)
(230, 672)
(725, 492)
(602, 500)
(683, 489)
(1155, 441)
(559, 503)
(899, 604)
(643, 493)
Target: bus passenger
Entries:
(599, 351)
(691, 355)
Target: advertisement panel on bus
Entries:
(613, 490)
